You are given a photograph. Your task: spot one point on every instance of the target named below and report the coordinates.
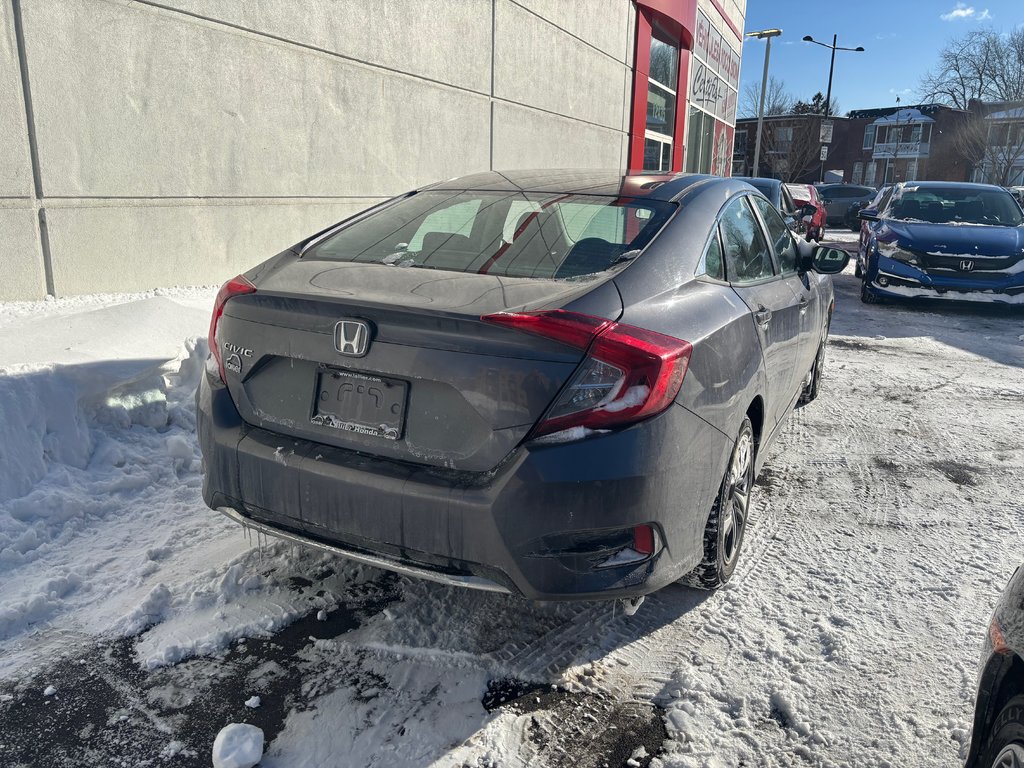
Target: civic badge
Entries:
(352, 337)
(966, 265)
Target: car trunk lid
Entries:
(435, 385)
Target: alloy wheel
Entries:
(1012, 756)
(734, 511)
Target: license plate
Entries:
(355, 402)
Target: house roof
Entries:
(1007, 114)
(909, 115)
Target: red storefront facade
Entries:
(686, 76)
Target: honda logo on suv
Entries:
(966, 265)
(352, 337)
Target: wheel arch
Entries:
(755, 412)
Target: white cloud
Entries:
(964, 11)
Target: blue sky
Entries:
(901, 40)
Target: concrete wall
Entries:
(183, 141)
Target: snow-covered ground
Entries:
(135, 623)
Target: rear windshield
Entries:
(520, 234)
(955, 205)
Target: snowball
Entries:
(321, 615)
(238, 745)
(50, 690)
(252, 702)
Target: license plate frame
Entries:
(349, 401)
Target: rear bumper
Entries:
(539, 525)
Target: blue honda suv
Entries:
(944, 240)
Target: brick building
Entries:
(869, 146)
(906, 144)
(995, 140)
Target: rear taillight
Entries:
(236, 286)
(629, 373)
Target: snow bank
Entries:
(42, 425)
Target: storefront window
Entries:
(662, 84)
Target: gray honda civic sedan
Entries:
(559, 384)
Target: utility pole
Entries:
(767, 35)
(831, 69)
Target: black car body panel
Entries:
(460, 485)
(1001, 673)
(780, 198)
(839, 197)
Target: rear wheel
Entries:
(723, 535)
(1004, 747)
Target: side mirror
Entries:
(867, 214)
(829, 261)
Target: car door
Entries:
(773, 306)
(788, 209)
(804, 288)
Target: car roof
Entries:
(759, 179)
(948, 185)
(654, 186)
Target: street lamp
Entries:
(764, 34)
(831, 68)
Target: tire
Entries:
(813, 382)
(723, 534)
(866, 296)
(1004, 746)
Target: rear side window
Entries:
(782, 241)
(513, 234)
(713, 262)
(746, 251)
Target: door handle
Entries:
(804, 303)
(763, 316)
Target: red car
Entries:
(806, 194)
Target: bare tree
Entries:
(993, 145)
(983, 64)
(792, 148)
(777, 100)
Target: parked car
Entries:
(868, 225)
(1018, 193)
(839, 197)
(779, 196)
(997, 738)
(806, 195)
(947, 240)
(555, 384)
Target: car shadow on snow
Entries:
(537, 663)
(993, 331)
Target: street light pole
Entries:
(767, 35)
(831, 69)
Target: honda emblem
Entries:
(966, 265)
(352, 337)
